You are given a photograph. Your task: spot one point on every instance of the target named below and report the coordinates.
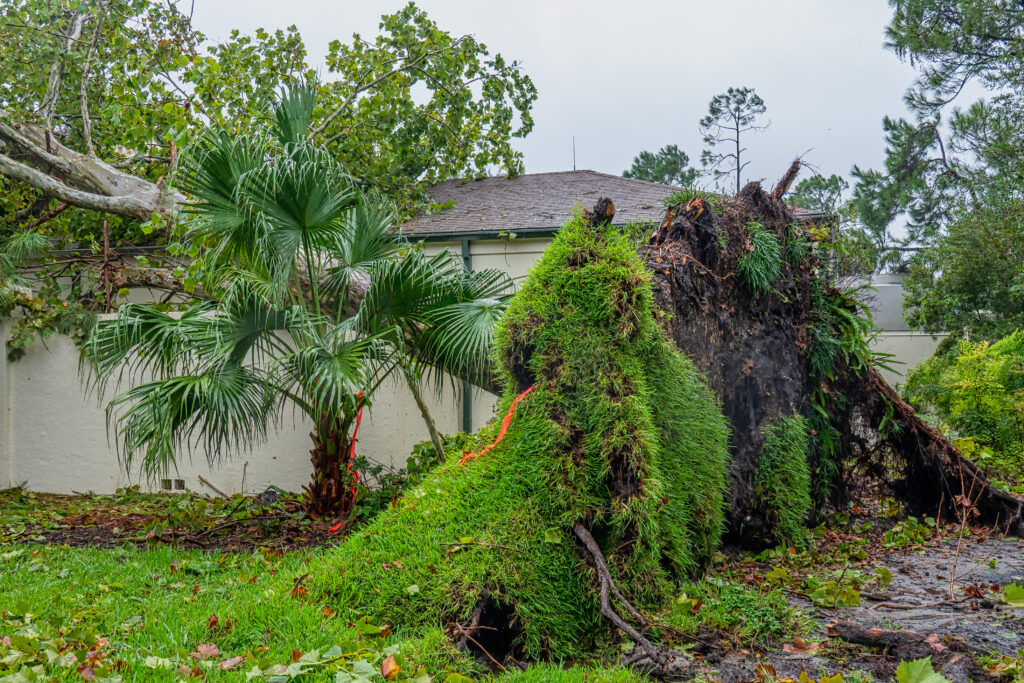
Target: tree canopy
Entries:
(730, 115)
(669, 166)
(952, 170)
(110, 92)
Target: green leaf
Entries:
(553, 536)
(884, 576)
(1013, 595)
(919, 671)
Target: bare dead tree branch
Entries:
(84, 89)
(56, 79)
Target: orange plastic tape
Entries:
(469, 455)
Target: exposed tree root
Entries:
(648, 658)
(608, 585)
(950, 656)
(754, 349)
(935, 475)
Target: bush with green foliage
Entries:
(761, 267)
(783, 479)
(613, 403)
(840, 330)
(749, 617)
(977, 391)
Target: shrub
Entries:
(748, 616)
(977, 391)
(761, 267)
(783, 480)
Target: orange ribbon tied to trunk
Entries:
(469, 455)
(352, 472)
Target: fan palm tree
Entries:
(315, 300)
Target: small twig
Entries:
(215, 489)
(231, 523)
(896, 605)
(482, 649)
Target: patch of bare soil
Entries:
(239, 524)
(910, 618)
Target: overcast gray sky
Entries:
(627, 75)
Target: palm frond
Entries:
(457, 340)
(212, 173)
(325, 372)
(143, 341)
(224, 408)
(303, 198)
(26, 245)
(293, 111)
(444, 315)
(366, 238)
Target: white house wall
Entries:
(55, 437)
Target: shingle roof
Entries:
(535, 202)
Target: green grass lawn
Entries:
(143, 614)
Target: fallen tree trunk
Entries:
(30, 154)
(951, 657)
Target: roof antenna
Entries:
(574, 152)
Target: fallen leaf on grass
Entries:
(211, 623)
(205, 651)
(800, 646)
(194, 672)
(389, 669)
(229, 664)
(86, 672)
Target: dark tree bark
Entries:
(753, 349)
(331, 481)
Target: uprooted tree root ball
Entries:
(620, 461)
(746, 302)
(619, 436)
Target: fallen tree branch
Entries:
(29, 154)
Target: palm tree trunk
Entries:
(329, 488)
(435, 437)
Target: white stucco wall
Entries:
(515, 257)
(908, 350)
(55, 436)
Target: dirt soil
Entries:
(239, 524)
(910, 618)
